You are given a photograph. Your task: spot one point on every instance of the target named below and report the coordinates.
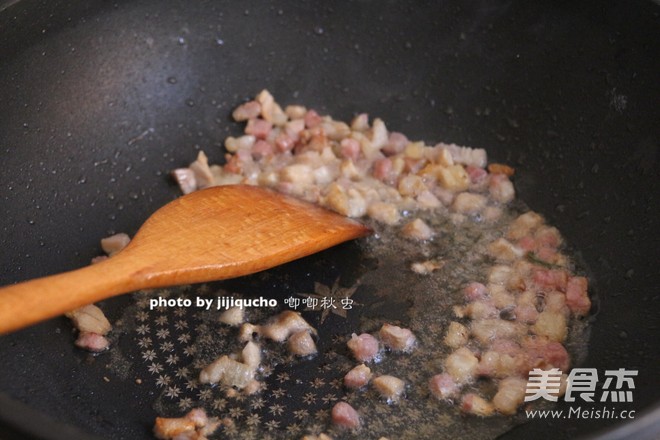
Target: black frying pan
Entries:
(100, 99)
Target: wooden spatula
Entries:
(213, 234)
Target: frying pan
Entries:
(101, 99)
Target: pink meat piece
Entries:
(345, 416)
(364, 347)
(396, 143)
(249, 110)
(259, 128)
(261, 149)
(527, 243)
(500, 188)
(92, 342)
(549, 254)
(233, 164)
(443, 386)
(551, 278)
(312, 119)
(506, 346)
(350, 148)
(548, 237)
(545, 354)
(475, 291)
(476, 174)
(577, 297)
(357, 377)
(397, 338)
(444, 195)
(284, 142)
(382, 168)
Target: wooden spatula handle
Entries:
(42, 298)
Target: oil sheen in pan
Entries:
(173, 344)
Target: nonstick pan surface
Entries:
(99, 100)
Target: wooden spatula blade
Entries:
(213, 234)
(230, 231)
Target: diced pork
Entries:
(469, 203)
(461, 365)
(247, 332)
(542, 353)
(228, 371)
(552, 325)
(258, 128)
(364, 347)
(478, 406)
(496, 363)
(475, 291)
(90, 319)
(350, 148)
(284, 325)
(249, 110)
(577, 297)
(115, 243)
(427, 267)
(93, 342)
(551, 278)
(417, 229)
(203, 175)
(510, 395)
(233, 316)
(443, 386)
(389, 387)
(195, 425)
(396, 142)
(457, 335)
(500, 188)
(358, 377)
(185, 178)
(251, 355)
(301, 343)
(344, 416)
(487, 330)
(503, 250)
(397, 338)
(468, 156)
(384, 212)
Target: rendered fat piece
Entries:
(284, 325)
(90, 319)
(233, 316)
(461, 365)
(195, 425)
(228, 371)
(115, 243)
(510, 395)
(301, 343)
(390, 387)
(397, 338)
